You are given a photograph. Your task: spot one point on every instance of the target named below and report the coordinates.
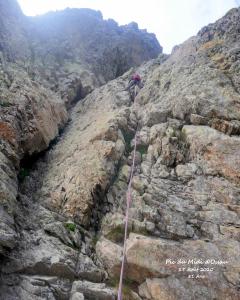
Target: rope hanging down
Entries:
(126, 218)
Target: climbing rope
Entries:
(129, 199)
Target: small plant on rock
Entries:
(70, 226)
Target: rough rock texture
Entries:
(80, 38)
(40, 79)
(92, 291)
(186, 184)
(65, 240)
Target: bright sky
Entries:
(173, 21)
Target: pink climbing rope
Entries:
(129, 199)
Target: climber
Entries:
(134, 84)
(135, 80)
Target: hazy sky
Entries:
(173, 21)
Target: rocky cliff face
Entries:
(62, 237)
(40, 79)
(80, 38)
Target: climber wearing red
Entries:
(135, 80)
(136, 77)
(134, 85)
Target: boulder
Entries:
(93, 291)
(110, 254)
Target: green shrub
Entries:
(70, 226)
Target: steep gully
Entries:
(101, 205)
(29, 163)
